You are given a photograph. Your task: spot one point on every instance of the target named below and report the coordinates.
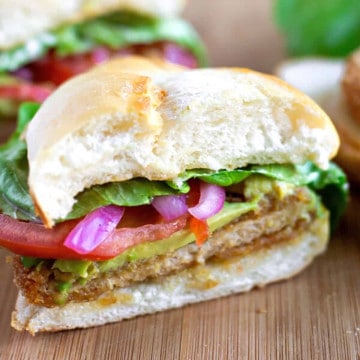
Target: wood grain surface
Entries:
(238, 32)
(315, 315)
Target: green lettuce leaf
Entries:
(321, 27)
(116, 30)
(15, 200)
(330, 184)
(133, 192)
(332, 187)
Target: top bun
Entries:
(106, 126)
(20, 20)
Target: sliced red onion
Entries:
(25, 92)
(212, 198)
(170, 207)
(176, 54)
(89, 233)
(23, 73)
(100, 55)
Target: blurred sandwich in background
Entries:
(44, 43)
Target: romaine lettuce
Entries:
(14, 193)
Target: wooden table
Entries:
(316, 315)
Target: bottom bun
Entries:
(202, 282)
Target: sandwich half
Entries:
(44, 43)
(137, 192)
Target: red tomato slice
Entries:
(124, 238)
(25, 92)
(201, 230)
(31, 239)
(56, 70)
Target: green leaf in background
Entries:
(319, 27)
(15, 200)
(115, 30)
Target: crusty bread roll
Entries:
(321, 79)
(112, 126)
(21, 20)
(195, 284)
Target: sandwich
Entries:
(334, 85)
(129, 193)
(43, 43)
